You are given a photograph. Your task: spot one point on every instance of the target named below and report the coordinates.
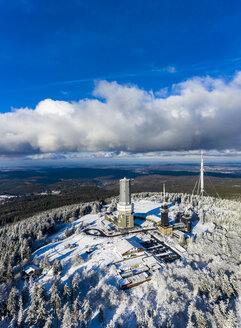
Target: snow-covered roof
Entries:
(125, 245)
(153, 218)
(133, 279)
(151, 262)
(178, 233)
(31, 268)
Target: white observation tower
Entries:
(125, 206)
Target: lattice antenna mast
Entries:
(201, 175)
(164, 192)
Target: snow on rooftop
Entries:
(151, 262)
(125, 245)
(31, 268)
(179, 233)
(153, 218)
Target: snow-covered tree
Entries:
(75, 284)
(67, 293)
(20, 313)
(49, 322)
(42, 305)
(13, 301)
(67, 232)
(56, 303)
(87, 312)
(45, 264)
(76, 260)
(13, 322)
(57, 267)
(67, 321)
(25, 293)
(77, 312)
(37, 312)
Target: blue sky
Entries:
(166, 64)
(56, 49)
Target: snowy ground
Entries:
(103, 248)
(178, 293)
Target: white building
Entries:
(128, 247)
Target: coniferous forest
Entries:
(201, 290)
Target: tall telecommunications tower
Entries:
(125, 207)
(199, 185)
(201, 175)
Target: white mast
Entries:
(164, 192)
(201, 175)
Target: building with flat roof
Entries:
(128, 247)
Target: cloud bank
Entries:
(200, 113)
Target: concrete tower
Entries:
(125, 207)
(164, 227)
(164, 210)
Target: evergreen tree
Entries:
(67, 232)
(31, 282)
(87, 311)
(42, 305)
(20, 313)
(13, 301)
(13, 322)
(77, 313)
(57, 267)
(56, 304)
(232, 321)
(73, 229)
(49, 322)
(25, 250)
(9, 274)
(75, 285)
(36, 260)
(67, 321)
(46, 264)
(25, 293)
(32, 310)
(37, 312)
(67, 293)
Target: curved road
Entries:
(103, 234)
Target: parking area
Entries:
(160, 250)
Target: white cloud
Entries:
(201, 113)
(46, 156)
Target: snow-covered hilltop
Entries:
(70, 267)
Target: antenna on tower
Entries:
(164, 192)
(200, 182)
(199, 185)
(201, 175)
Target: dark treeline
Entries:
(19, 208)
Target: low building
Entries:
(153, 218)
(128, 247)
(31, 270)
(179, 234)
(134, 280)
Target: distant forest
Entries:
(80, 185)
